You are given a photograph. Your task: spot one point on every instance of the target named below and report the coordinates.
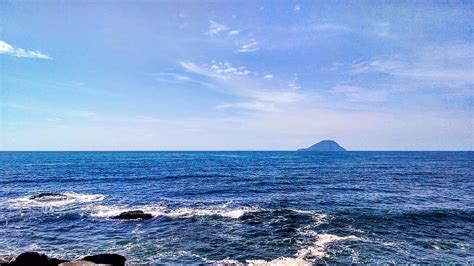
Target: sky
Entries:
(236, 75)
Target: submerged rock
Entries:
(47, 196)
(132, 215)
(34, 258)
(110, 259)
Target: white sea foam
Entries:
(304, 256)
(318, 249)
(55, 201)
(282, 261)
(318, 217)
(184, 212)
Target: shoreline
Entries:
(40, 259)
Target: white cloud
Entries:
(297, 8)
(234, 32)
(8, 49)
(252, 106)
(216, 28)
(249, 46)
(358, 94)
(261, 94)
(268, 76)
(227, 68)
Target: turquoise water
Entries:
(242, 207)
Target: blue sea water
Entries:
(242, 207)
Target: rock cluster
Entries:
(36, 259)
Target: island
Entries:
(325, 145)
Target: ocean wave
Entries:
(318, 217)
(304, 256)
(69, 198)
(318, 249)
(163, 211)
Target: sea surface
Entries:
(259, 208)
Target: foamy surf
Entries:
(304, 256)
(69, 198)
(318, 249)
(184, 212)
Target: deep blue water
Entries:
(242, 207)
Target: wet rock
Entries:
(34, 258)
(132, 215)
(78, 263)
(48, 196)
(110, 259)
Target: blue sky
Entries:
(227, 75)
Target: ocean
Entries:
(242, 207)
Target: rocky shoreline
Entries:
(37, 259)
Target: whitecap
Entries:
(159, 210)
(306, 255)
(318, 217)
(318, 249)
(282, 261)
(55, 201)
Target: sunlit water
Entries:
(242, 207)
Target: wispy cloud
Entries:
(359, 94)
(268, 76)
(294, 83)
(328, 27)
(251, 105)
(216, 28)
(234, 32)
(170, 77)
(248, 46)
(447, 65)
(297, 8)
(260, 94)
(9, 49)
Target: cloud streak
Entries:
(449, 65)
(259, 94)
(9, 49)
(248, 46)
(216, 28)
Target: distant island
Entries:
(325, 145)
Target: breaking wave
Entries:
(64, 199)
(184, 212)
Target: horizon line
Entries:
(237, 150)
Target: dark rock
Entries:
(131, 215)
(110, 259)
(47, 196)
(34, 258)
(325, 145)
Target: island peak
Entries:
(325, 145)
